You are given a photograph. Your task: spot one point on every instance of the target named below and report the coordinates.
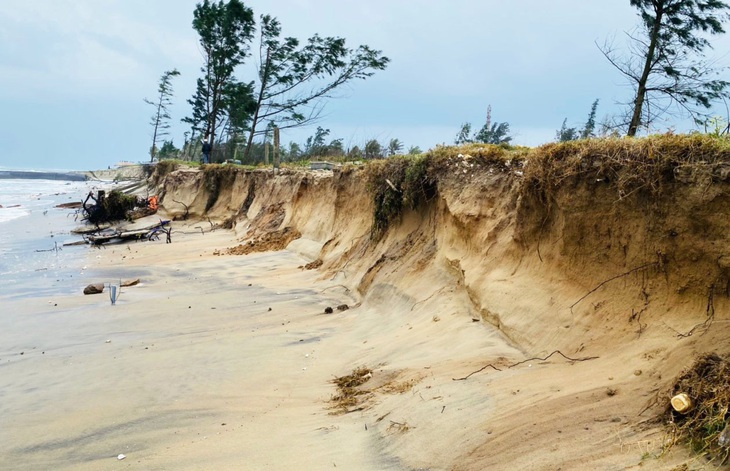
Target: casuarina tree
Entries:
(294, 79)
(161, 118)
(565, 133)
(493, 132)
(666, 65)
(226, 30)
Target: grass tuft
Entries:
(349, 390)
(707, 382)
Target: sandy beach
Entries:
(472, 353)
(221, 362)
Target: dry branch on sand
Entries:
(525, 361)
(352, 394)
(349, 389)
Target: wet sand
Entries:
(210, 363)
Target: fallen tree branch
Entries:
(633, 270)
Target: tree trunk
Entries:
(276, 148)
(648, 63)
(264, 79)
(154, 134)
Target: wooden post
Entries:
(266, 153)
(276, 147)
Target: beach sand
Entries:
(218, 361)
(226, 362)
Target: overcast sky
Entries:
(74, 73)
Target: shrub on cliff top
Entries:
(411, 180)
(163, 168)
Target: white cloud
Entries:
(71, 48)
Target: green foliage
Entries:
(373, 149)
(665, 64)
(490, 133)
(168, 151)
(294, 79)
(565, 133)
(294, 152)
(385, 182)
(590, 126)
(414, 150)
(410, 182)
(493, 133)
(225, 31)
(395, 147)
(419, 186)
(316, 144)
(112, 207)
(239, 105)
(717, 126)
(355, 153)
(463, 137)
(160, 121)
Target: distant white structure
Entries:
(321, 166)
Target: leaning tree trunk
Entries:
(641, 85)
(255, 119)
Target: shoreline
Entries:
(41, 175)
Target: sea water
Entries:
(33, 231)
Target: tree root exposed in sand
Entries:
(475, 372)
(424, 300)
(187, 209)
(633, 270)
(710, 312)
(525, 361)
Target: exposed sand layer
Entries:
(221, 361)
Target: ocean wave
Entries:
(9, 214)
